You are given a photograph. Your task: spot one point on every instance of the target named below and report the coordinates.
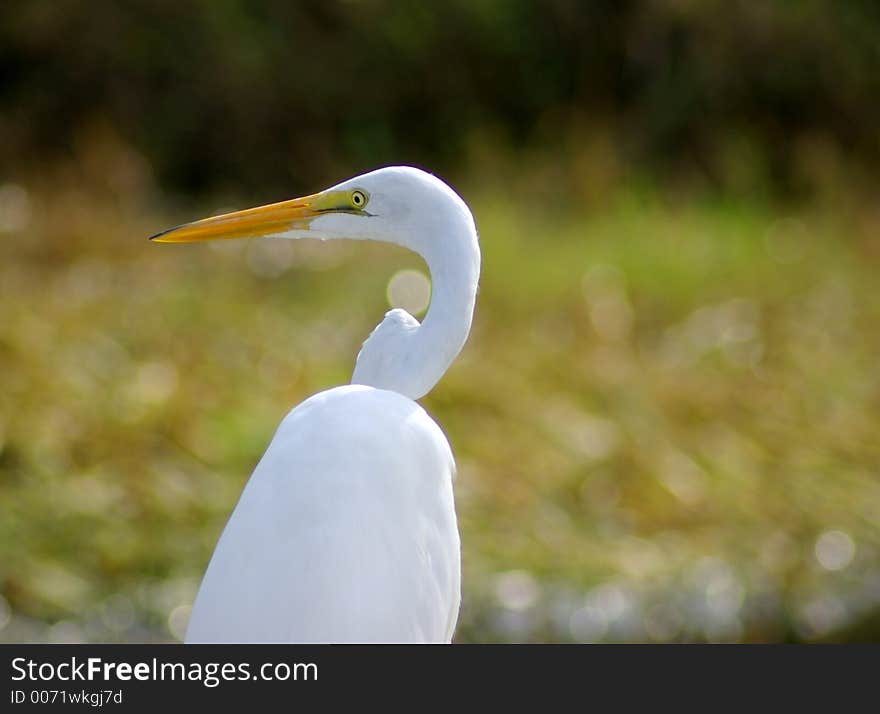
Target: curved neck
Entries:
(410, 358)
(455, 272)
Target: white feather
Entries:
(347, 527)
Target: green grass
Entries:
(665, 420)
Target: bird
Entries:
(346, 531)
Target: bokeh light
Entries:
(835, 550)
(409, 290)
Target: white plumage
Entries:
(346, 531)
(346, 528)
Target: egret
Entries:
(346, 530)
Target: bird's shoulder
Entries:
(349, 402)
(356, 414)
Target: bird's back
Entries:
(345, 532)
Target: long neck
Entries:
(455, 271)
(408, 357)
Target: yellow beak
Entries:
(267, 220)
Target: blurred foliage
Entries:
(228, 94)
(666, 418)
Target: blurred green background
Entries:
(666, 419)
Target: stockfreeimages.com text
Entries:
(210, 674)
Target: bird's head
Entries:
(397, 204)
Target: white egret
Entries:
(346, 530)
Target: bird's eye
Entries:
(358, 199)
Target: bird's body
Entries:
(351, 473)
(346, 531)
